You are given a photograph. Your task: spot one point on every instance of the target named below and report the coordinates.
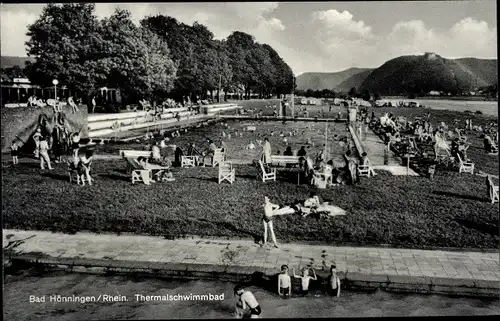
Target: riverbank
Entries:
(398, 270)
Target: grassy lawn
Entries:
(451, 211)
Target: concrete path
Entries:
(417, 270)
(375, 148)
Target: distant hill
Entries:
(354, 81)
(11, 61)
(415, 74)
(328, 80)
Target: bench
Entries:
(135, 153)
(284, 159)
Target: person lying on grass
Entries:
(305, 279)
(312, 205)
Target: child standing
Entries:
(305, 280)
(36, 138)
(44, 153)
(334, 281)
(284, 283)
(14, 152)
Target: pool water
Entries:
(17, 290)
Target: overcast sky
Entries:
(321, 36)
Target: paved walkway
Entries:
(375, 148)
(472, 269)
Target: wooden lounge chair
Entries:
(324, 178)
(366, 170)
(218, 157)
(465, 167)
(226, 172)
(264, 175)
(139, 173)
(189, 161)
(492, 190)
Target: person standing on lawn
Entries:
(36, 138)
(271, 210)
(266, 151)
(14, 152)
(44, 153)
(268, 220)
(75, 143)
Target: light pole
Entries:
(55, 82)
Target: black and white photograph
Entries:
(235, 160)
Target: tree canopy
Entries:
(160, 57)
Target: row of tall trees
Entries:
(159, 58)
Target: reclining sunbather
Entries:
(313, 205)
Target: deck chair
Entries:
(323, 179)
(226, 172)
(465, 167)
(444, 157)
(492, 190)
(366, 169)
(218, 157)
(189, 161)
(264, 175)
(139, 173)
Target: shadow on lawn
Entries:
(482, 227)
(116, 176)
(56, 176)
(468, 197)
